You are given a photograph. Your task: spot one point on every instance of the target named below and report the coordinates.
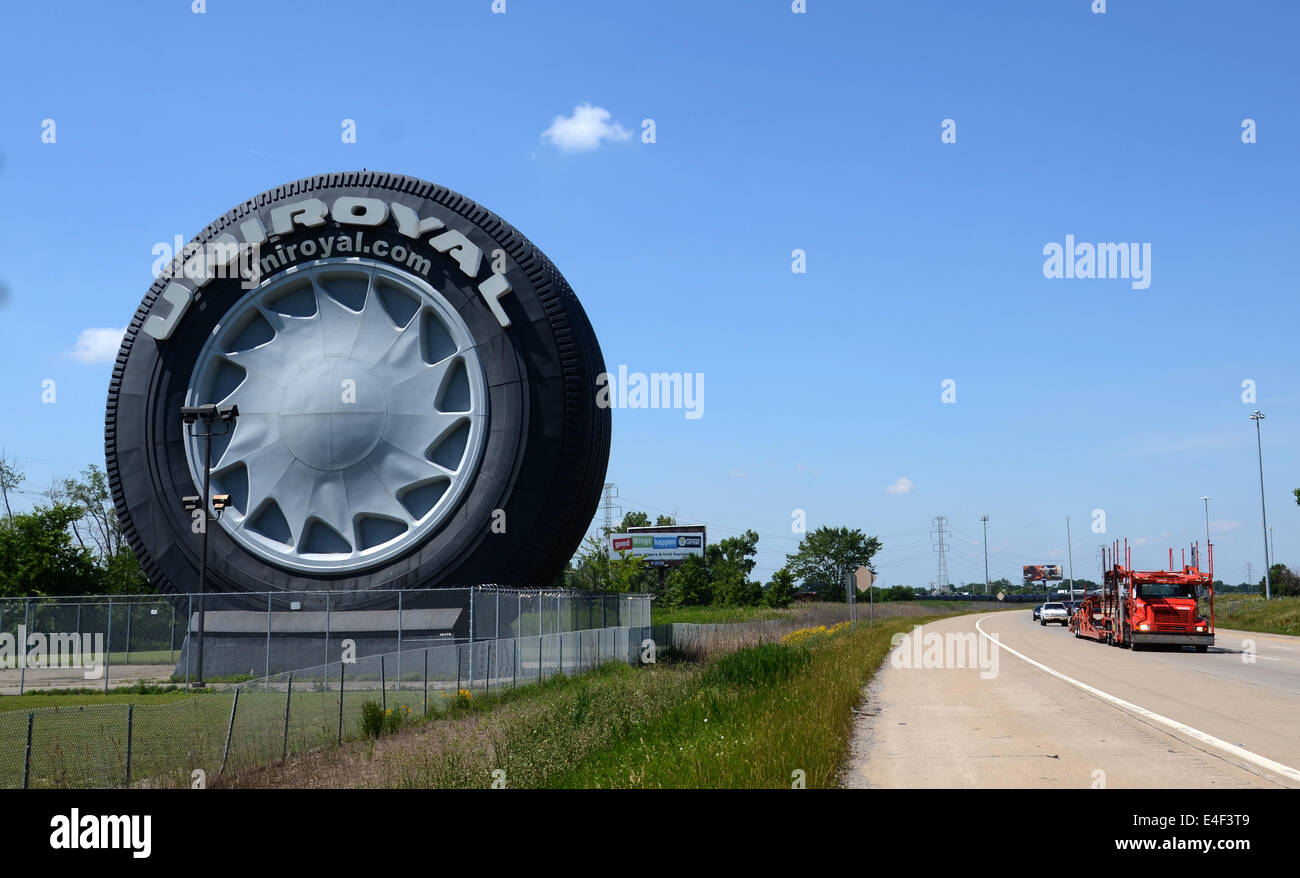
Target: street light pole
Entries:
(985, 519)
(1069, 548)
(203, 550)
(191, 416)
(1259, 445)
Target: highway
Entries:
(1058, 711)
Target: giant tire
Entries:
(523, 506)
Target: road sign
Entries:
(864, 578)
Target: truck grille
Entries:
(1171, 618)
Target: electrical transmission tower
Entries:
(608, 506)
(939, 532)
(1250, 573)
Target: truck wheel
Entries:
(417, 393)
(1042, 623)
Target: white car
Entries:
(1055, 612)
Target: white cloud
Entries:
(584, 130)
(902, 486)
(738, 473)
(97, 345)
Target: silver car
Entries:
(1054, 612)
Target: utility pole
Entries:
(940, 531)
(985, 519)
(1259, 445)
(1069, 548)
(1207, 532)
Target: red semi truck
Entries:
(1139, 608)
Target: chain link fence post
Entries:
(383, 686)
(130, 728)
(27, 760)
(268, 635)
(426, 681)
(22, 647)
(288, 699)
(340, 701)
(230, 730)
(108, 646)
(189, 647)
(399, 642)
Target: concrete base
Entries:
(237, 641)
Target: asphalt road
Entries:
(1057, 711)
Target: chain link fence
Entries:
(124, 640)
(518, 638)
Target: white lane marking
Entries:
(1275, 646)
(1182, 728)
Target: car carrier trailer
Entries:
(1139, 608)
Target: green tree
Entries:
(780, 591)
(38, 555)
(689, 585)
(11, 478)
(825, 556)
(732, 587)
(596, 570)
(627, 572)
(1283, 581)
(631, 519)
(741, 550)
(98, 517)
(121, 573)
(665, 521)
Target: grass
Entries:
(82, 697)
(760, 718)
(714, 615)
(1250, 612)
(752, 718)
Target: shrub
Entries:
(372, 719)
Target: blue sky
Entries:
(775, 132)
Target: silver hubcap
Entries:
(362, 414)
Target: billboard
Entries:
(658, 548)
(1042, 572)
